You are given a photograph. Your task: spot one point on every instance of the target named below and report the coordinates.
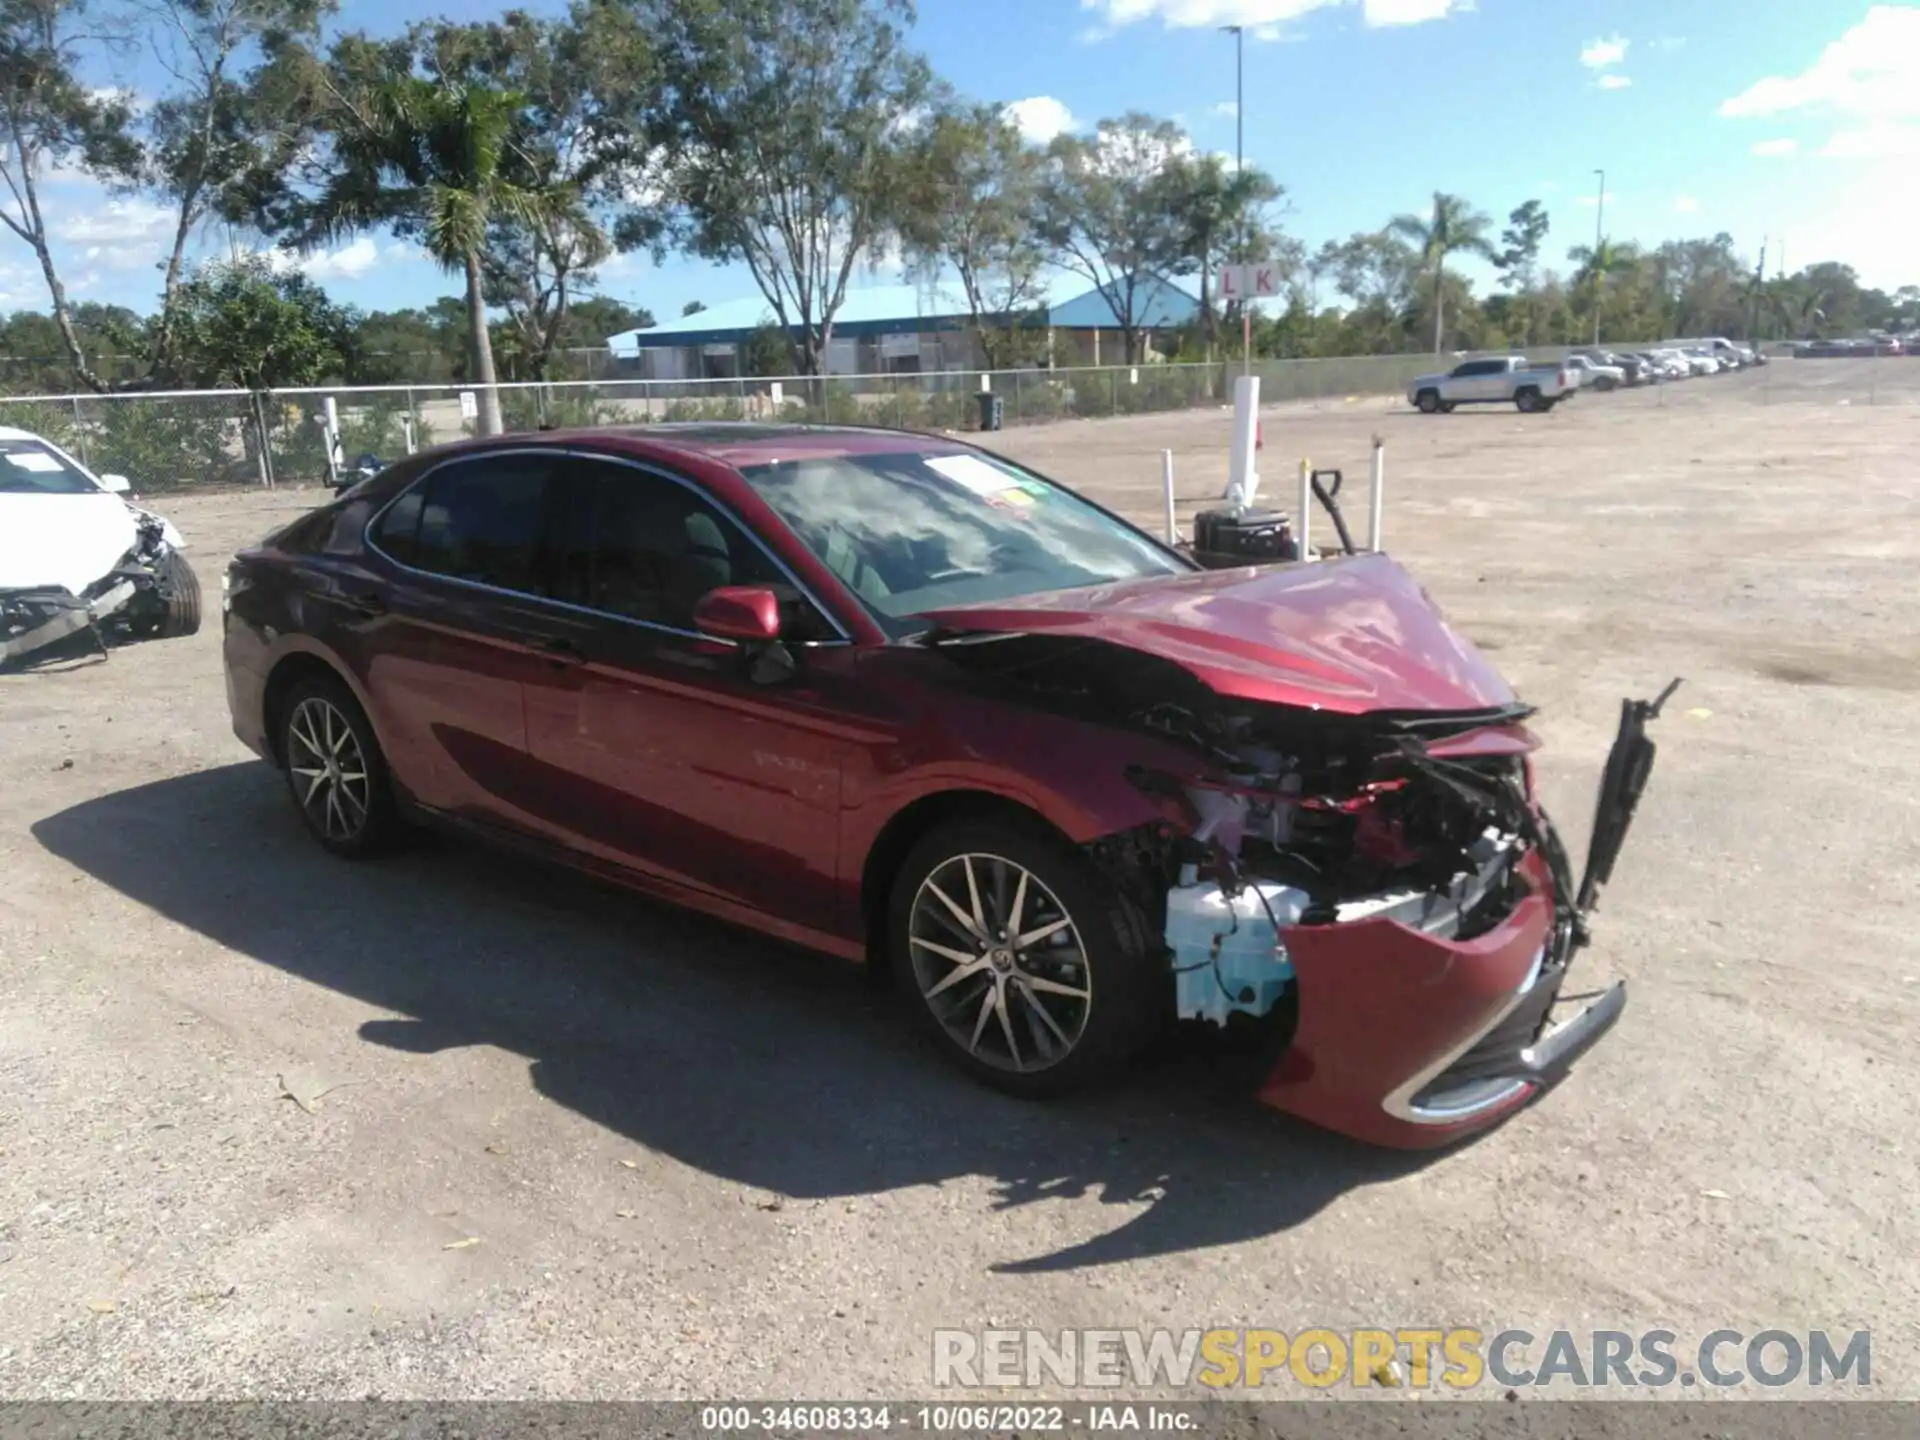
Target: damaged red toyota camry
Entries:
(900, 699)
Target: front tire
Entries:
(182, 615)
(1428, 402)
(1021, 961)
(335, 770)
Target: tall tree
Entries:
(1519, 260)
(48, 118)
(242, 323)
(1597, 268)
(1224, 212)
(435, 162)
(583, 80)
(217, 125)
(1454, 227)
(784, 125)
(973, 188)
(1109, 207)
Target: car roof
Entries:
(7, 432)
(740, 444)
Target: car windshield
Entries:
(29, 467)
(910, 532)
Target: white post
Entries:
(1306, 509)
(1166, 477)
(1376, 494)
(1242, 481)
(332, 426)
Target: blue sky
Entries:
(1796, 120)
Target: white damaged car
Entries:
(75, 555)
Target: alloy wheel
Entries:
(1000, 963)
(329, 769)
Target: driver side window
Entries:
(632, 543)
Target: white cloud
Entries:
(136, 103)
(1776, 149)
(1881, 140)
(1411, 12)
(1686, 205)
(1870, 76)
(115, 222)
(1613, 82)
(1227, 109)
(351, 261)
(1041, 117)
(1265, 19)
(1872, 71)
(1599, 54)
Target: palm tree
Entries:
(1220, 211)
(1597, 266)
(438, 161)
(1454, 227)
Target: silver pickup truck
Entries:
(1511, 379)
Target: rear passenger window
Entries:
(481, 520)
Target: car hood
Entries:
(1350, 635)
(66, 540)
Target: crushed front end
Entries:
(1360, 895)
(150, 592)
(1382, 897)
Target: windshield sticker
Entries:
(37, 461)
(976, 474)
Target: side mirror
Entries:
(746, 613)
(118, 484)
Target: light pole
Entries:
(1239, 168)
(1599, 275)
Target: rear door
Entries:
(670, 752)
(452, 638)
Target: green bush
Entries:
(725, 407)
(165, 444)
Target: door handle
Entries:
(562, 651)
(364, 602)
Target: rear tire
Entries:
(1527, 399)
(1428, 402)
(182, 615)
(1039, 1020)
(335, 769)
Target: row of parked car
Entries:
(1536, 388)
(1859, 348)
(1676, 360)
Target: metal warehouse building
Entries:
(901, 329)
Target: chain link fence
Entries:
(171, 441)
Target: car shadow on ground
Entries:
(763, 1064)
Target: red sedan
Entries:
(900, 699)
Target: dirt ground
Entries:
(271, 1124)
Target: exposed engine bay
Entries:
(1293, 816)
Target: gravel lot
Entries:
(274, 1125)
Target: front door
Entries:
(673, 753)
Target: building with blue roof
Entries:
(903, 329)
